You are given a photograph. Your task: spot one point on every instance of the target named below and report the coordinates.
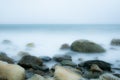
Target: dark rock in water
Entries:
(86, 46)
(68, 63)
(28, 74)
(117, 75)
(6, 42)
(102, 65)
(60, 58)
(45, 58)
(65, 46)
(115, 42)
(4, 57)
(30, 61)
(41, 68)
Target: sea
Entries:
(48, 38)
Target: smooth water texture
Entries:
(48, 39)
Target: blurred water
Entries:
(48, 38)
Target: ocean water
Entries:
(48, 39)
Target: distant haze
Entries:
(59, 11)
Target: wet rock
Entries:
(68, 63)
(62, 73)
(30, 61)
(65, 46)
(86, 46)
(30, 45)
(45, 58)
(59, 58)
(6, 42)
(36, 77)
(11, 71)
(101, 64)
(95, 68)
(39, 77)
(117, 75)
(22, 53)
(28, 74)
(115, 42)
(108, 76)
(4, 57)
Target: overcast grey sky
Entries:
(60, 11)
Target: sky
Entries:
(59, 11)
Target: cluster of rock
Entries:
(33, 68)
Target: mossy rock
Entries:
(86, 46)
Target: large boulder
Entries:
(115, 42)
(101, 64)
(11, 71)
(29, 61)
(62, 73)
(86, 46)
(4, 57)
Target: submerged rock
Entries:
(115, 42)
(22, 53)
(30, 45)
(30, 61)
(65, 46)
(101, 64)
(62, 73)
(6, 42)
(59, 58)
(4, 57)
(86, 46)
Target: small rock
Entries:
(30, 45)
(86, 46)
(4, 57)
(65, 46)
(108, 76)
(95, 68)
(60, 58)
(68, 63)
(36, 77)
(45, 58)
(115, 42)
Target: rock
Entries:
(108, 76)
(36, 77)
(6, 42)
(4, 57)
(30, 61)
(62, 73)
(86, 46)
(101, 64)
(30, 45)
(59, 58)
(95, 68)
(65, 46)
(39, 77)
(11, 71)
(115, 42)
(22, 53)
(68, 63)
(45, 58)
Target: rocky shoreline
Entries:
(30, 67)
